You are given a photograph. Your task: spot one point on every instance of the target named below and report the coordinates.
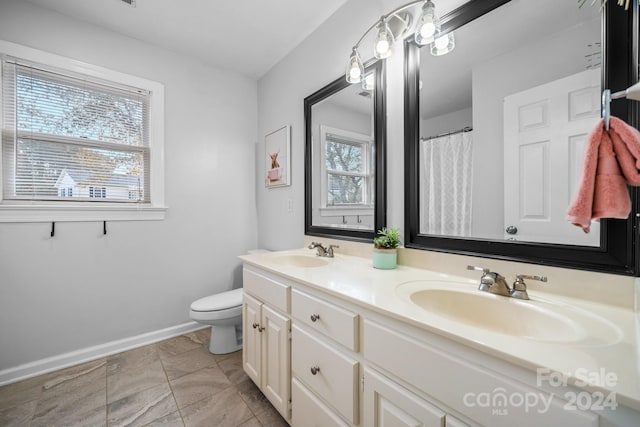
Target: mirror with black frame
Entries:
(496, 130)
(344, 158)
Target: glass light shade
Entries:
(355, 68)
(443, 45)
(384, 41)
(428, 26)
(369, 82)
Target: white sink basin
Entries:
(302, 261)
(533, 319)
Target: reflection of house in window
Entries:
(113, 187)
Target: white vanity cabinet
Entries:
(266, 326)
(325, 364)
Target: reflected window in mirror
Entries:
(496, 130)
(344, 158)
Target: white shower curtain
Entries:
(446, 170)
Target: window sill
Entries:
(21, 212)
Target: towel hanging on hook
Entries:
(632, 92)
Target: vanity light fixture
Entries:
(369, 82)
(393, 26)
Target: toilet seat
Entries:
(222, 301)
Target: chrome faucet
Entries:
(321, 250)
(492, 282)
(520, 288)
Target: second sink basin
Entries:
(534, 319)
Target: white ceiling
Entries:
(247, 36)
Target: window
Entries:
(98, 192)
(76, 136)
(347, 160)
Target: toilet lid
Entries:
(221, 301)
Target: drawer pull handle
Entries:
(255, 325)
(315, 370)
(315, 317)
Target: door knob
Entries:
(512, 229)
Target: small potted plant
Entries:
(385, 248)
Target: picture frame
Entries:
(278, 157)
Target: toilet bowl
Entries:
(223, 312)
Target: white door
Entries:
(276, 358)
(387, 404)
(251, 338)
(545, 131)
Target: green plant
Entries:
(388, 238)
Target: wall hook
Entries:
(53, 229)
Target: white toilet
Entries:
(223, 312)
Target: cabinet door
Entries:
(251, 338)
(276, 359)
(309, 411)
(388, 404)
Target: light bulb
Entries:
(428, 29)
(428, 24)
(384, 41)
(355, 68)
(442, 42)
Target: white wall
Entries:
(450, 122)
(81, 289)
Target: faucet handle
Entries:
(484, 270)
(330, 250)
(520, 288)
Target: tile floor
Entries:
(175, 382)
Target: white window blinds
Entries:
(66, 135)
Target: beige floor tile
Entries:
(142, 407)
(224, 409)
(187, 362)
(18, 416)
(271, 418)
(133, 371)
(74, 397)
(177, 345)
(253, 397)
(252, 422)
(232, 368)
(132, 359)
(198, 385)
(21, 392)
(172, 420)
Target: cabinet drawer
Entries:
(337, 323)
(463, 384)
(337, 376)
(266, 290)
(309, 411)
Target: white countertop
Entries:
(353, 279)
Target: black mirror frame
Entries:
(380, 135)
(619, 239)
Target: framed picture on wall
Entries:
(278, 157)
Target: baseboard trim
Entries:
(49, 364)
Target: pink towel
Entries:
(602, 192)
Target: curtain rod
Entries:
(464, 129)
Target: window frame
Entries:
(46, 211)
(368, 174)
